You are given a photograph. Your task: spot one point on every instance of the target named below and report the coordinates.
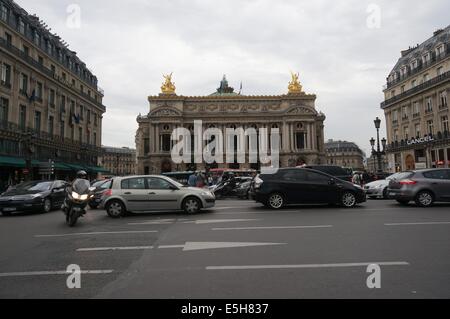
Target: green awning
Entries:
(12, 161)
(74, 167)
(62, 167)
(97, 169)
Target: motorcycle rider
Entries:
(80, 175)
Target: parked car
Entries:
(34, 196)
(100, 188)
(153, 192)
(379, 188)
(333, 170)
(424, 187)
(305, 186)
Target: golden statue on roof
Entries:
(168, 87)
(294, 86)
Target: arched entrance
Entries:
(410, 163)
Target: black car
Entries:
(34, 196)
(100, 188)
(304, 186)
(333, 170)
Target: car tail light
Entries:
(407, 182)
(108, 192)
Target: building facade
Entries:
(416, 106)
(345, 154)
(50, 104)
(294, 114)
(118, 161)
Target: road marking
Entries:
(188, 246)
(47, 273)
(212, 221)
(248, 267)
(115, 248)
(98, 233)
(272, 227)
(420, 223)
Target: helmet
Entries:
(82, 174)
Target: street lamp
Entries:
(378, 152)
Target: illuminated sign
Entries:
(420, 140)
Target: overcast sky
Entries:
(341, 50)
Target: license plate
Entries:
(9, 209)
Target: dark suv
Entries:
(304, 186)
(422, 186)
(333, 170)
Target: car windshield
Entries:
(35, 186)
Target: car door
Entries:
(294, 186)
(135, 193)
(439, 182)
(163, 195)
(58, 193)
(321, 188)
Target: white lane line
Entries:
(419, 223)
(152, 223)
(98, 233)
(272, 227)
(212, 221)
(115, 248)
(365, 264)
(59, 272)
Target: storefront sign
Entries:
(420, 140)
(421, 165)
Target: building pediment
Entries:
(165, 111)
(301, 110)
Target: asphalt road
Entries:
(239, 249)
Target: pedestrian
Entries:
(192, 181)
(200, 180)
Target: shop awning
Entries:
(97, 169)
(12, 161)
(74, 167)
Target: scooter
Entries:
(77, 197)
(224, 188)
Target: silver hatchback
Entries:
(153, 193)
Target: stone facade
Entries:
(50, 104)
(293, 114)
(416, 106)
(345, 154)
(119, 161)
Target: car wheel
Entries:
(348, 199)
(424, 199)
(115, 209)
(191, 205)
(403, 202)
(275, 201)
(47, 207)
(385, 193)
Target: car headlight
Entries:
(206, 194)
(75, 195)
(84, 197)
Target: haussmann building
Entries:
(416, 106)
(300, 125)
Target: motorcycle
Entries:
(78, 196)
(224, 189)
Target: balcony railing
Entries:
(44, 69)
(19, 129)
(420, 67)
(425, 85)
(443, 106)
